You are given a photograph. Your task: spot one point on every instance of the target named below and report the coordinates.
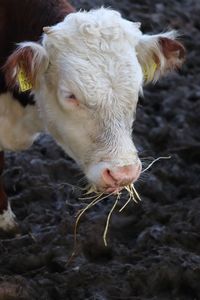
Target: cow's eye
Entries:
(72, 96)
(73, 100)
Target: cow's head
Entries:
(86, 75)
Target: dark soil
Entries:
(153, 247)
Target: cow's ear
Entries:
(158, 54)
(24, 65)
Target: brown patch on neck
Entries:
(23, 21)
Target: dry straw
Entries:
(97, 197)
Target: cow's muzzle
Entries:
(114, 179)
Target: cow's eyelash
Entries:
(73, 100)
(72, 96)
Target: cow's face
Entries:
(87, 77)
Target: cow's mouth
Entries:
(113, 190)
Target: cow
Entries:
(76, 75)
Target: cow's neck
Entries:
(19, 125)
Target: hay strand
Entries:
(108, 220)
(155, 160)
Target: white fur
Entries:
(97, 57)
(92, 56)
(7, 220)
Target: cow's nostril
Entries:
(121, 176)
(108, 178)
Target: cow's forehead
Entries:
(100, 28)
(95, 53)
(99, 23)
(104, 80)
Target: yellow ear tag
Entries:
(150, 71)
(24, 83)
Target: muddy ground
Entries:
(153, 247)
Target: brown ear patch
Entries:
(22, 58)
(173, 51)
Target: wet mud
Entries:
(154, 246)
